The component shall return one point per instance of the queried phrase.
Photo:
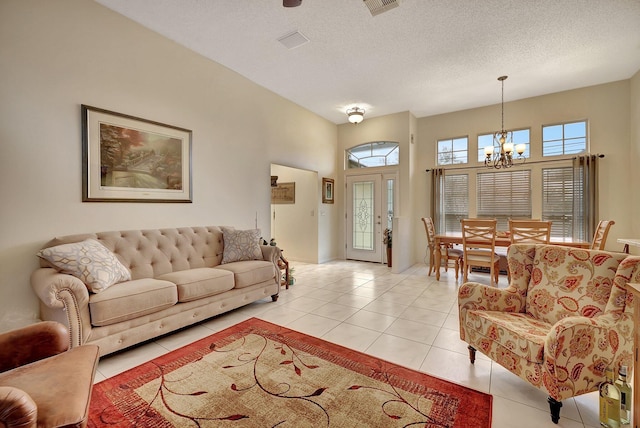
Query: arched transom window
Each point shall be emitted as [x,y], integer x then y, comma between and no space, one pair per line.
[377,153]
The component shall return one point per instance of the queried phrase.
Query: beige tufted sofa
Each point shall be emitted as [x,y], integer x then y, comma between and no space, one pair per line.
[177,279]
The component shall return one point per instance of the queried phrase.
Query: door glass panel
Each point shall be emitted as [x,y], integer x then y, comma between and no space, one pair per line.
[390,200]
[363,216]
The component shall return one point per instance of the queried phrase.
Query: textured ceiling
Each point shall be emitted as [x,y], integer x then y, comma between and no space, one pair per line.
[425,56]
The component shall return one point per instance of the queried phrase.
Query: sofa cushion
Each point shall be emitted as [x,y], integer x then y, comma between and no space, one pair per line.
[248,273]
[567,281]
[88,260]
[240,245]
[519,333]
[195,284]
[131,299]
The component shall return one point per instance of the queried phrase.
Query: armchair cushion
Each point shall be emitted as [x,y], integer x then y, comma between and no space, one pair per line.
[521,334]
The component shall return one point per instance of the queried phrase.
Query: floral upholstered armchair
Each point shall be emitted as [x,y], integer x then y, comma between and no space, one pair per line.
[563,319]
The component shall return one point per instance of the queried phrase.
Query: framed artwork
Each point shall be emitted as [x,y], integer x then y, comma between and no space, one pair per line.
[327,190]
[129,159]
[283,193]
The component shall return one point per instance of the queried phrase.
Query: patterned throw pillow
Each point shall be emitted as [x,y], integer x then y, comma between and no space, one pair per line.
[241,245]
[90,261]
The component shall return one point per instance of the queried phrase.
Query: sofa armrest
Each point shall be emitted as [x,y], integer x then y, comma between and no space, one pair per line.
[473,295]
[32,343]
[270,253]
[578,350]
[63,298]
[17,409]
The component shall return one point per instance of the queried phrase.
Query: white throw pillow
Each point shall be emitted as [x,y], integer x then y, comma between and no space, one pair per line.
[90,261]
[241,245]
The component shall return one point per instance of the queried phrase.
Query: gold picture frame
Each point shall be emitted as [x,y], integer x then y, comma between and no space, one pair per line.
[327,190]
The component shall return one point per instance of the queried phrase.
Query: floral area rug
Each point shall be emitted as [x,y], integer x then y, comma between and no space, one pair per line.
[258,374]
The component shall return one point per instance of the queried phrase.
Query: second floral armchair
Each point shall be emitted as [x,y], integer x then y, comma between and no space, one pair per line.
[563,319]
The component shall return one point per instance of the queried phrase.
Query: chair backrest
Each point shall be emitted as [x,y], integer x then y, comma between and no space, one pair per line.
[429,229]
[530,231]
[564,281]
[600,237]
[478,234]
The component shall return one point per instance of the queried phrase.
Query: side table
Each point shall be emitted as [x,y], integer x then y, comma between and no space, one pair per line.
[283,264]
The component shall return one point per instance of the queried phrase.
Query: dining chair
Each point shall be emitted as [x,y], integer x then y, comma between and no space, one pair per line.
[600,237]
[449,254]
[479,245]
[529,231]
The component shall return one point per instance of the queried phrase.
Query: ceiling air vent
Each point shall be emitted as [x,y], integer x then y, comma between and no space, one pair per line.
[376,7]
[293,40]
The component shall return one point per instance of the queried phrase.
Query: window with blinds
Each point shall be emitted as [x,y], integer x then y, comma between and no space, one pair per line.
[504,195]
[455,201]
[560,192]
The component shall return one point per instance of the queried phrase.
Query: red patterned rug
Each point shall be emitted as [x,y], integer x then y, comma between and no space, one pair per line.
[258,374]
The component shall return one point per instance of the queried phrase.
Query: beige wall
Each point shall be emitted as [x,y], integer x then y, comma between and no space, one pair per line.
[634,157]
[606,107]
[295,226]
[59,55]
[394,127]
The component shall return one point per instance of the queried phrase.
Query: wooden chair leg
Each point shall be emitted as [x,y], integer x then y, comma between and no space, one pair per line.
[457,263]
[554,406]
[472,354]
[431,262]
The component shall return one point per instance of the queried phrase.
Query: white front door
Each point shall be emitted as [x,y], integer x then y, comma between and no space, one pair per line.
[364,218]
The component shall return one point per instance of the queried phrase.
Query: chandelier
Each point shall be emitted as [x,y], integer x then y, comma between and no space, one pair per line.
[500,155]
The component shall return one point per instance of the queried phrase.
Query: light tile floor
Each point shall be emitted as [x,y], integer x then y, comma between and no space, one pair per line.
[406,318]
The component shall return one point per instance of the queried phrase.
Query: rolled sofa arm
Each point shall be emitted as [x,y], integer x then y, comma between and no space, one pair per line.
[270,253]
[17,409]
[63,298]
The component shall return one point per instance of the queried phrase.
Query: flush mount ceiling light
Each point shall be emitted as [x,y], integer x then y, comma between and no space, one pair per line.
[355,114]
[291,3]
[500,155]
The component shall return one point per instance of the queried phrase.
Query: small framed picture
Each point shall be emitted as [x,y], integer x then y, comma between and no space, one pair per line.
[327,190]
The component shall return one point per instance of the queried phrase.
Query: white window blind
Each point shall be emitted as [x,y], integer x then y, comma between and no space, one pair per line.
[557,200]
[455,201]
[504,195]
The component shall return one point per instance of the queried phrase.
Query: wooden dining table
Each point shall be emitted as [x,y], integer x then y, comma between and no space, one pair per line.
[502,240]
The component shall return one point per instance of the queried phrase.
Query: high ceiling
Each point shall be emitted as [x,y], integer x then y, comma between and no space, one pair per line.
[424,56]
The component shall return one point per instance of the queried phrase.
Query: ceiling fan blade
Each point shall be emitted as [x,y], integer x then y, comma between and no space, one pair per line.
[291,3]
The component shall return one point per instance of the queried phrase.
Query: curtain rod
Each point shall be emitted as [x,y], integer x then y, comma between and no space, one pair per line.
[600,155]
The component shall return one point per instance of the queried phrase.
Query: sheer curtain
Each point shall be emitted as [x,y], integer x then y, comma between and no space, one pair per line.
[585,208]
[437,188]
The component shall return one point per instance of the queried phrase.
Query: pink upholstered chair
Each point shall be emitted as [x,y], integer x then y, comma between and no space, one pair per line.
[563,319]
